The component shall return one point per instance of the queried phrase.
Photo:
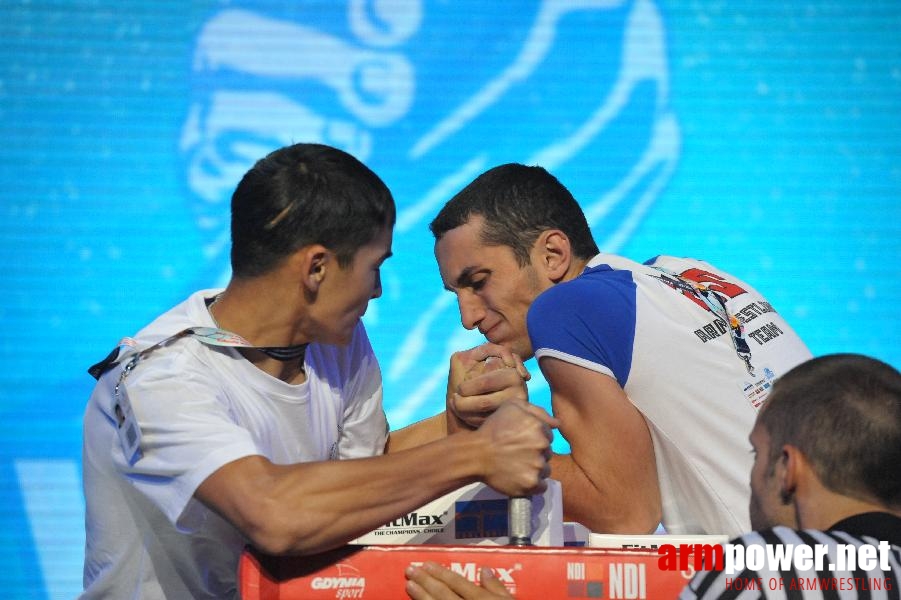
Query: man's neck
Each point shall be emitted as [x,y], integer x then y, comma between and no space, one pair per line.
[266,315]
[823,513]
[263,314]
[576,268]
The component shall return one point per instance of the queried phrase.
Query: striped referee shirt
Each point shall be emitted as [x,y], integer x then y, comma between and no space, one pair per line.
[786,581]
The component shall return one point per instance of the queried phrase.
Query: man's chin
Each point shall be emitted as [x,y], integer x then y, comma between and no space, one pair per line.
[499,340]
[523,351]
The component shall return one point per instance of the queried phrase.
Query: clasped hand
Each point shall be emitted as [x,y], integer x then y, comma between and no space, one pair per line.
[479,381]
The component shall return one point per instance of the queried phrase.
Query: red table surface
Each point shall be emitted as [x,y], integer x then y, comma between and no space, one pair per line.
[530,573]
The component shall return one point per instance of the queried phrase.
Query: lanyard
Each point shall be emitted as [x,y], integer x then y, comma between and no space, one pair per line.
[127,427]
[212,336]
[718,306]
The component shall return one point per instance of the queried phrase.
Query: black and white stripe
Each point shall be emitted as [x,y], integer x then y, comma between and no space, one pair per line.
[709,585]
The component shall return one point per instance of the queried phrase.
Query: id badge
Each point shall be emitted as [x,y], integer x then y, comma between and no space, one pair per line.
[127,426]
[757,390]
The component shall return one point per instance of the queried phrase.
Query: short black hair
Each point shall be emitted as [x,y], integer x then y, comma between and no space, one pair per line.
[843,411]
[305,194]
[518,203]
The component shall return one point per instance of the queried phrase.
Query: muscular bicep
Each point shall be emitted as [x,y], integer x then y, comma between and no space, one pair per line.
[297,508]
[243,492]
[610,477]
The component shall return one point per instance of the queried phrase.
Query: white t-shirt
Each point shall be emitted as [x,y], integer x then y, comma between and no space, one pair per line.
[675,359]
[198,408]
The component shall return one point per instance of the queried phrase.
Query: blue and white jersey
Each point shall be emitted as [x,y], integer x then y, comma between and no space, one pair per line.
[671,348]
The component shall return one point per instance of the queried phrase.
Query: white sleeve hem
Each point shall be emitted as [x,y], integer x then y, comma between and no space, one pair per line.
[575,360]
[177,509]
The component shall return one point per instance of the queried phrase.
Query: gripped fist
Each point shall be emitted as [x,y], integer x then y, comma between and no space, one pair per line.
[492,363]
[518,438]
[480,379]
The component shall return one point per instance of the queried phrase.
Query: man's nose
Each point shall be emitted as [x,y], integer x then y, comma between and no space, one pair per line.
[472,310]
[377,288]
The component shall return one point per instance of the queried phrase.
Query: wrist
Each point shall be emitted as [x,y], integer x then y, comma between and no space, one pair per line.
[455,424]
[473,452]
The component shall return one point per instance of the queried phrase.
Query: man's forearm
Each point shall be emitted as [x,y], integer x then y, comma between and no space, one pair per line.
[312,507]
[419,433]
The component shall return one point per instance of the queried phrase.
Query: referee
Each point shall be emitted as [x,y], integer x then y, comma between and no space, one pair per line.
[826,475]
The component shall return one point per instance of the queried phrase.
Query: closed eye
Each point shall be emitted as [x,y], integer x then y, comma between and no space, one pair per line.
[472,279]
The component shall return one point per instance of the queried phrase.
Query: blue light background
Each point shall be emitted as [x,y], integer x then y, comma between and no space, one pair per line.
[762,136]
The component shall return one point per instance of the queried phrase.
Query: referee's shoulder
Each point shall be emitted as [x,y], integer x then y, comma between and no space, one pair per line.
[713,584]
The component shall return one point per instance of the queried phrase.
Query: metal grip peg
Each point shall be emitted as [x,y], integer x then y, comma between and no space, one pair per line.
[520,521]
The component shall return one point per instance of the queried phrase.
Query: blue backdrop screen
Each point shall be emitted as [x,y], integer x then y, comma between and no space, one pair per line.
[762,136]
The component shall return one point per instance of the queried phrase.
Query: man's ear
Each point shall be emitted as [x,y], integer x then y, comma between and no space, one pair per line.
[554,254]
[311,265]
[790,469]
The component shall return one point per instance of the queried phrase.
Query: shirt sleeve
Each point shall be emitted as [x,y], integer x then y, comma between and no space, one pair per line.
[589,321]
[178,454]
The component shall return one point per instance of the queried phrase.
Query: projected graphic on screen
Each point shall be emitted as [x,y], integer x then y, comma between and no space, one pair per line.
[428,95]
[760,135]
[428,117]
